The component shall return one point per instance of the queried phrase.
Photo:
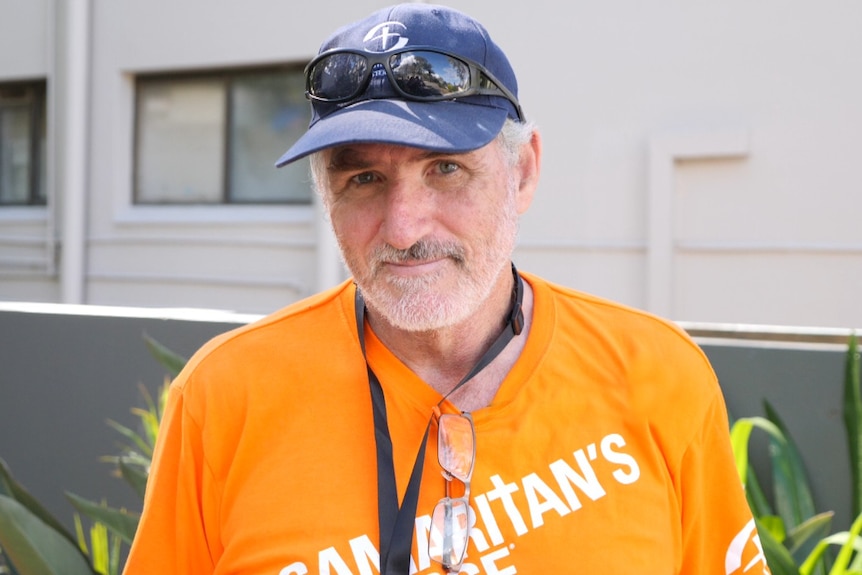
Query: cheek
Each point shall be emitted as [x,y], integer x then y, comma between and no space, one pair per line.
[353,228]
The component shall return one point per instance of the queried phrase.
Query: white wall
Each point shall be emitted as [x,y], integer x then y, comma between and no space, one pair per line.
[701,160]
[242,258]
[771,235]
[26,235]
[25,31]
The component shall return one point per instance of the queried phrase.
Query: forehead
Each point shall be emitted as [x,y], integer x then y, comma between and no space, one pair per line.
[359,155]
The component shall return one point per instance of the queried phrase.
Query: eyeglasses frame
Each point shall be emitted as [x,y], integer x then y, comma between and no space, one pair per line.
[496,87]
[447,501]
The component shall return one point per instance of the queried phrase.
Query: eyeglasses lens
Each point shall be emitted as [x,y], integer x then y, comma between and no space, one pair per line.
[429,74]
[338,77]
[456,446]
[450,521]
[450,530]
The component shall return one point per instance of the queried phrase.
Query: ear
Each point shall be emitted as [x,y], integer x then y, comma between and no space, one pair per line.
[529,167]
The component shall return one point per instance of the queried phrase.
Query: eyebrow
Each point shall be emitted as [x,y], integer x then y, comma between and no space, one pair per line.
[344,159]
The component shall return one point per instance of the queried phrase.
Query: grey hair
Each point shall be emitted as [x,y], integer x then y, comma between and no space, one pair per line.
[512,137]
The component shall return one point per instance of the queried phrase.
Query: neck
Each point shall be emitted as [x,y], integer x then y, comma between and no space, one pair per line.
[443,357]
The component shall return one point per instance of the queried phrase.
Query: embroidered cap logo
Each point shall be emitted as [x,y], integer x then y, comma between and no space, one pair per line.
[388,38]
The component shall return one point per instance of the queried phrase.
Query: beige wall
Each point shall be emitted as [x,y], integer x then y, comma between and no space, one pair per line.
[701,161]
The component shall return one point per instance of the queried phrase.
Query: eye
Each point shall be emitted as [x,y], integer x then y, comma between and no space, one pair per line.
[448,167]
[364,178]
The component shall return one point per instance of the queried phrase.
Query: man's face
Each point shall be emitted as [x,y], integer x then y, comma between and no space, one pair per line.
[425,235]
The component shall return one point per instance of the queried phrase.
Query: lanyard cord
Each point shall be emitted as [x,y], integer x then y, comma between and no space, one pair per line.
[396,524]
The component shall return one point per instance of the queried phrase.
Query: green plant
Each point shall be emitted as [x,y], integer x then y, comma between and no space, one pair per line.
[33,542]
[112,527]
[794,536]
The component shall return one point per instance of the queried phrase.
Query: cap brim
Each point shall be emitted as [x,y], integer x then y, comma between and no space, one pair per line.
[446,126]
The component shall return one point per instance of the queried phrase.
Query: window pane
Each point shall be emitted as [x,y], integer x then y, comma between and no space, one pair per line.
[268,112]
[180,141]
[15,138]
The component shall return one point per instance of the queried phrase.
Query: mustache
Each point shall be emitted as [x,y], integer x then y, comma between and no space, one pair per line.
[422,250]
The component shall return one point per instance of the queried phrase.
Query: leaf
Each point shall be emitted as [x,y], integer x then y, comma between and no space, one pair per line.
[16,491]
[132,458]
[740,434]
[130,434]
[853,421]
[777,556]
[34,547]
[114,566]
[843,538]
[134,476]
[99,543]
[79,532]
[757,501]
[123,523]
[170,360]
[150,424]
[802,539]
[814,557]
[793,499]
[774,525]
[856,564]
[842,561]
[7,565]
[163,397]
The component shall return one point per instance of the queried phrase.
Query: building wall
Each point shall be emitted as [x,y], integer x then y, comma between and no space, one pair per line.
[26,242]
[700,161]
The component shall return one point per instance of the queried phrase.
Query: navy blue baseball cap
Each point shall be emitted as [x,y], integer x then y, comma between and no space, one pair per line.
[380,114]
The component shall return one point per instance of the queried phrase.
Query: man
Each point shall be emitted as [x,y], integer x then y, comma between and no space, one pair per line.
[445,413]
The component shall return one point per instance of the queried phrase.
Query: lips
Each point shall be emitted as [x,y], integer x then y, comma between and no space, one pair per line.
[413,267]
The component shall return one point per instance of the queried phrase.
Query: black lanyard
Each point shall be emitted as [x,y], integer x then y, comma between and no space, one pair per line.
[397,523]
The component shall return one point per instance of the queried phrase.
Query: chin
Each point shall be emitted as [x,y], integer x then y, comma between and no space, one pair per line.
[427,312]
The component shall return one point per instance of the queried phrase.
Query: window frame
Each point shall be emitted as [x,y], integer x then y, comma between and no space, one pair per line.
[226,76]
[37,93]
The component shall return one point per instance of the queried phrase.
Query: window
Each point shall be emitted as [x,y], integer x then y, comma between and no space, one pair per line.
[22,143]
[213,138]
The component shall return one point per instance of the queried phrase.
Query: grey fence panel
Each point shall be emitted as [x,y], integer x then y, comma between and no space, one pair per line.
[804,384]
[61,378]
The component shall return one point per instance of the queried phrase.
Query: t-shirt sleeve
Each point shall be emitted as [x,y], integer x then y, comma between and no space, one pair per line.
[719,535]
[171,537]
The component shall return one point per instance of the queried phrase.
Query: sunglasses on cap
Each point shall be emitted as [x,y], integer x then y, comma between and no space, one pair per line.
[420,74]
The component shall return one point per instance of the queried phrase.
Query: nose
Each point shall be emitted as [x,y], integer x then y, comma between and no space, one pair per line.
[409,213]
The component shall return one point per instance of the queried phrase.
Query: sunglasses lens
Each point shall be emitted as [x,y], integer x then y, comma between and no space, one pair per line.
[338,76]
[450,529]
[429,74]
[415,74]
[456,445]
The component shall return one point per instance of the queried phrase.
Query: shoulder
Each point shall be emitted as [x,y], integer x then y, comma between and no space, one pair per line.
[644,368]
[306,330]
[643,347]
[605,319]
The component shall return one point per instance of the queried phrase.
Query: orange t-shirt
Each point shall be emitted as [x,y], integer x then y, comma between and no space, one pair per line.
[606,450]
